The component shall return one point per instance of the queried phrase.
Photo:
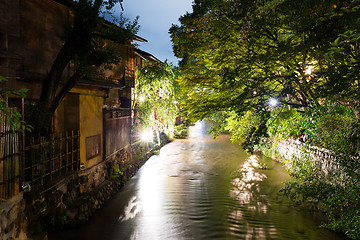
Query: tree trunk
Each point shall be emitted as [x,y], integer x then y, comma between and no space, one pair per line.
[78,43]
[65,89]
[79,40]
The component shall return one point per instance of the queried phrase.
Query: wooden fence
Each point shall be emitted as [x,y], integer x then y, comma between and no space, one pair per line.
[117,127]
[48,160]
[10,160]
[39,163]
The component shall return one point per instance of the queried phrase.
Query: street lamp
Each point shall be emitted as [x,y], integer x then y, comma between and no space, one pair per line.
[146,136]
[273,102]
[308,70]
[141,98]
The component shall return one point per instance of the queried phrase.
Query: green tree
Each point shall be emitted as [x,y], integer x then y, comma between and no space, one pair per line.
[12,117]
[155,98]
[237,55]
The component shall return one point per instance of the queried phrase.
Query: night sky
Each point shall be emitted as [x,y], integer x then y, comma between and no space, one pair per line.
[156,17]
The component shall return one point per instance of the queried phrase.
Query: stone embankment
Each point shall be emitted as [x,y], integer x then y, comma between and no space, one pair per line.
[299,150]
[72,200]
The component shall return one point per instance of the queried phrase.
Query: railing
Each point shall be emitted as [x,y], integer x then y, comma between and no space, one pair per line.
[48,160]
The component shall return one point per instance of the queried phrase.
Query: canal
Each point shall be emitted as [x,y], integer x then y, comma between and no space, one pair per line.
[203,188]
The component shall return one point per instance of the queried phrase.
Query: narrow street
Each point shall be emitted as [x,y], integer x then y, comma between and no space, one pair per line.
[203,188]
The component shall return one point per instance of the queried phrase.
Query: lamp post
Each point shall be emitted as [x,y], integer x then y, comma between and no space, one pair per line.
[273,102]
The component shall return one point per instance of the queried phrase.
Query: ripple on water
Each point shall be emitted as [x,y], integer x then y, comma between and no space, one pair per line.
[201,188]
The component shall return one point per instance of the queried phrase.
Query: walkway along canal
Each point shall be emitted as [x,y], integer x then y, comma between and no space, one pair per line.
[203,188]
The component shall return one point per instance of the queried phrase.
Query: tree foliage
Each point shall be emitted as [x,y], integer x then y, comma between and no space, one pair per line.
[156,98]
[238,54]
[10,115]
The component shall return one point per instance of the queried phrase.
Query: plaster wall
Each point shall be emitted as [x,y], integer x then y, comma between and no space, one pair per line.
[91,104]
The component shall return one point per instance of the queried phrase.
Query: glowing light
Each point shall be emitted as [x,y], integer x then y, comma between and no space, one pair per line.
[141,98]
[147,136]
[198,125]
[26,187]
[308,70]
[273,102]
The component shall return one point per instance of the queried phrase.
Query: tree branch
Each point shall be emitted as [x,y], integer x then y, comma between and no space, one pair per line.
[65,89]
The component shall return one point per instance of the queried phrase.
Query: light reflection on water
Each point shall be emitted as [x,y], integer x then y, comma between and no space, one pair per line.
[245,188]
[201,188]
[130,210]
[248,182]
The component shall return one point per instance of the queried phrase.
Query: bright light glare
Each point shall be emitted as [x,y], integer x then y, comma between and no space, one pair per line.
[141,98]
[147,136]
[308,70]
[198,125]
[131,210]
[273,102]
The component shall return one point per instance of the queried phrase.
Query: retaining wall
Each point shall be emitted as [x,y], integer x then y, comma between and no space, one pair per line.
[296,149]
[71,201]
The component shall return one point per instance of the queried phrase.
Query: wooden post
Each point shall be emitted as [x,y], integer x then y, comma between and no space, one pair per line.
[104,133]
[61,154]
[72,150]
[52,155]
[42,162]
[22,157]
[66,151]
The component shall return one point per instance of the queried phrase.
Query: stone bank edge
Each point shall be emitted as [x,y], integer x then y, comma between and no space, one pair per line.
[72,200]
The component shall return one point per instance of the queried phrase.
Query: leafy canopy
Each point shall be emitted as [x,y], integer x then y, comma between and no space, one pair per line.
[237,55]
[267,49]
[155,97]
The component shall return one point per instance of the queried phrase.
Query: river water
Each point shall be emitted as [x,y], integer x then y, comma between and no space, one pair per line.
[203,188]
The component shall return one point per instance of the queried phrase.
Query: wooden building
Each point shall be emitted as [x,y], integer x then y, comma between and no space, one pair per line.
[95,116]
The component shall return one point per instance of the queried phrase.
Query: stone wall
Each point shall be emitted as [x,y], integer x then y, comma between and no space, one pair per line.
[13,223]
[72,200]
[296,149]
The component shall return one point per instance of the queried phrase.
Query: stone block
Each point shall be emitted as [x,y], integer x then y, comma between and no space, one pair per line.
[71,213]
[82,189]
[13,214]
[22,235]
[9,228]
[62,188]
[3,221]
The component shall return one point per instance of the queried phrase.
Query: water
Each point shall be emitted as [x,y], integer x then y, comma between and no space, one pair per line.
[203,188]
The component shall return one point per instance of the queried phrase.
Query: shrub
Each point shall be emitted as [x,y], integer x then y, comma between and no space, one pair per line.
[285,123]
[333,131]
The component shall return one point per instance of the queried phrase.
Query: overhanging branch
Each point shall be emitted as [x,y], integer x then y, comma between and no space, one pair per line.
[65,89]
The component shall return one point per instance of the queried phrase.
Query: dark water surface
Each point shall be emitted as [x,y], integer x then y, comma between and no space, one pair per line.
[202,188]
